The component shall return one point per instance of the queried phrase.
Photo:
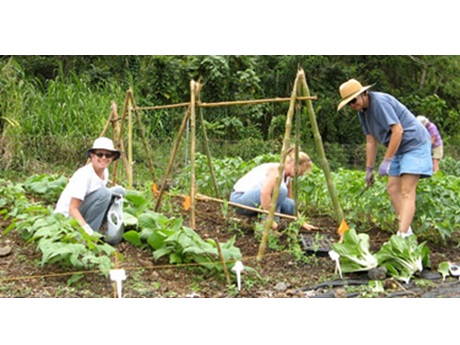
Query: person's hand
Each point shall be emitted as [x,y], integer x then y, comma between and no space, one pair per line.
[369,176]
[88,229]
[385,167]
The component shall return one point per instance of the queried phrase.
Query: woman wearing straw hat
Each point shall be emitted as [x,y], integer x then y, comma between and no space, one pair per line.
[437,146]
[407,157]
[86,197]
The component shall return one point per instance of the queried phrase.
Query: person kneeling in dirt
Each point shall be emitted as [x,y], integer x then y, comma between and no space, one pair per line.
[86,197]
[255,189]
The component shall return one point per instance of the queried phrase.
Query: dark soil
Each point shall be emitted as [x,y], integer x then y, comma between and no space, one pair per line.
[279,273]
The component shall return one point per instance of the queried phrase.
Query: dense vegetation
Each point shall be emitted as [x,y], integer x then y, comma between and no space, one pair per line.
[51,107]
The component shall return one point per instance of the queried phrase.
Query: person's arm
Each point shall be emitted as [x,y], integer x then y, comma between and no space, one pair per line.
[371,151]
[395,140]
[267,188]
[74,212]
[289,187]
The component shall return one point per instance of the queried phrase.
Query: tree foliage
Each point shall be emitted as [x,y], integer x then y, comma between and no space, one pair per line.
[62,95]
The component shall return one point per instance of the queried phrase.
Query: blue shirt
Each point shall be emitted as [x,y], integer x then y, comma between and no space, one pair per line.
[384,111]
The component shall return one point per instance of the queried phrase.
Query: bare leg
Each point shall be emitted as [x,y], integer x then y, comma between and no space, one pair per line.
[402,191]
[435,165]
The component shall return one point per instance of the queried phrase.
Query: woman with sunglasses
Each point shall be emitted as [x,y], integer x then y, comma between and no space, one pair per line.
[86,197]
[407,157]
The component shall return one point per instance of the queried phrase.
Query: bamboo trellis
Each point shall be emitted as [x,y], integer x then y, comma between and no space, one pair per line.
[300,93]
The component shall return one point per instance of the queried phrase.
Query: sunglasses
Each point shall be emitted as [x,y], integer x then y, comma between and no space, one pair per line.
[353,101]
[107,155]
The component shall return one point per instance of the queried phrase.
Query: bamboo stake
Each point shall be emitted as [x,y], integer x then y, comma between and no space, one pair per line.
[172,157]
[254,101]
[192,154]
[116,130]
[130,141]
[227,103]
[219,250]
[319,146]
[120,133]
[144,139]
[206,146]
[259,210]
[297,144]
[275,193]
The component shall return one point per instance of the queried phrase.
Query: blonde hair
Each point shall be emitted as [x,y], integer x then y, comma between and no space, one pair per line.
[304,159]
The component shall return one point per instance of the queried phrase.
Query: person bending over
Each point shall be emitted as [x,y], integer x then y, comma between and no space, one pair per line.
[255,189]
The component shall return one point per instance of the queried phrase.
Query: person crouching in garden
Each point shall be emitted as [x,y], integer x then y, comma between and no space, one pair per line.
[437,147]
[255,189]
[407,157]
[86,197]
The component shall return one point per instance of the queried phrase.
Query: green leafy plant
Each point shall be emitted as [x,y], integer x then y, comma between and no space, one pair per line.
[47,186]
[403,257]
[181,244]
[444,269]
[355,252]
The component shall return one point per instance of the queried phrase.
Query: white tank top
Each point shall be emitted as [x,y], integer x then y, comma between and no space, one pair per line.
[256,178]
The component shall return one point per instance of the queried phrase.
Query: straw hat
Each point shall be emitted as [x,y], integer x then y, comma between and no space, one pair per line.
[349,90]
[106,144]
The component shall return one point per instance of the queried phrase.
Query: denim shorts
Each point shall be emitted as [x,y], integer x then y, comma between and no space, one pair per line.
[417,162]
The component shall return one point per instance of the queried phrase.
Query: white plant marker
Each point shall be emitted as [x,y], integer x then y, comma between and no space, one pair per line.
[335,256]
[237,268]
[118,276]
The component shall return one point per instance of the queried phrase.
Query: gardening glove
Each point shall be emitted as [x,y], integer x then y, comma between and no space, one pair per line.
[385,167]
[369,176]
[88,229]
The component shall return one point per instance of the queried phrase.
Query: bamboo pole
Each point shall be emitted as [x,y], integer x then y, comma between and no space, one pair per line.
[297,150]
[258,210]
[227,103]
[172,157]
[130,141]
[222,259]
[120,133]
[206,147]
[319,146]
[275,193]
[192,154]
[144,139]
[117,133]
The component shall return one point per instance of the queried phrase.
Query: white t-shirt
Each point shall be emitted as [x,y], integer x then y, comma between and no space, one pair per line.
[83,182]
[256,178]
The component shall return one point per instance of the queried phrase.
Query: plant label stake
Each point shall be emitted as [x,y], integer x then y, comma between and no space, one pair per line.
[118,276]
[237,268]
[335,256]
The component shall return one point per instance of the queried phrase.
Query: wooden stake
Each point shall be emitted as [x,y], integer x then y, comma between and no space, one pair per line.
[258,210]
[319,147]
[228,103]
[275,193]
[192,154]
[117,134]
[171,158]
[115,294]
[219,250]
[208,152]
[144,139]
